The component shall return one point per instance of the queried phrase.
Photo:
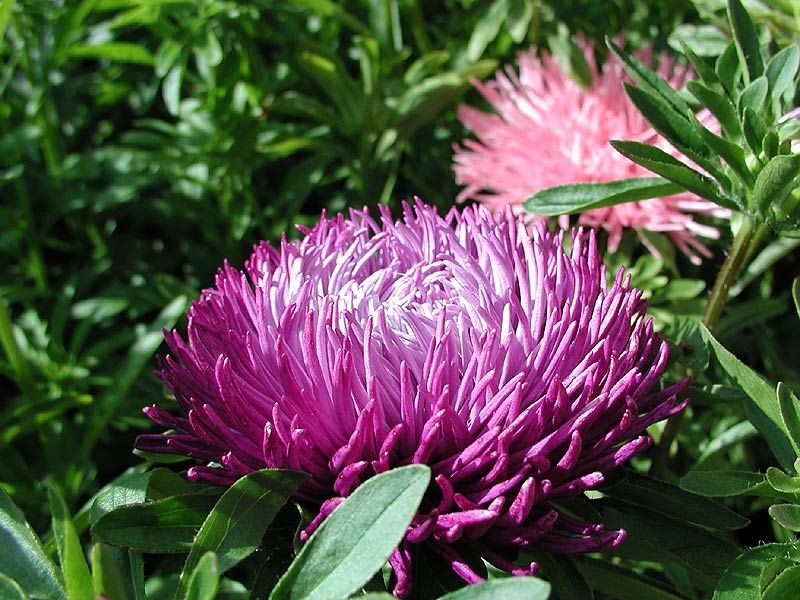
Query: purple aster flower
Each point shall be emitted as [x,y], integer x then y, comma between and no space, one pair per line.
[489,353]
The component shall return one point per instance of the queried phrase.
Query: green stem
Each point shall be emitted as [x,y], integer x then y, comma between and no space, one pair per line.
[744,242]
[741,248]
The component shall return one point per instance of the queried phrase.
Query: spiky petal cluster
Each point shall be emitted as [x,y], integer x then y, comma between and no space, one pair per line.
[549,131]
[504,363]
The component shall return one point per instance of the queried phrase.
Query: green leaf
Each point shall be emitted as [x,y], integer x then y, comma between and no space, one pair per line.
[781,71]
[784,586]
[421,103]
[672,501]
[24,559]
[109,573]
[77,577]
[720,107]
[670,168]
[204,579]
[762,405]
[667,539]
[578,197]
[571,57]
[771,145]
[755,130]
[728,70]
[723,484]
[114,51]
[5,15]
[357,538]
[754,96]
[425,66]
[775,182]
[621,583]
[133,488]
[486,29]
[746,39]
[742,580]
[10,589]
[171,87]
[674,126]
[732,436]
[561,571]
[508,588]
[796,294]
[164,526]
[235,526]
[141,351]
[700,66]
[654,86]
[518,19]
[788,515]
[790,414]
[782,482]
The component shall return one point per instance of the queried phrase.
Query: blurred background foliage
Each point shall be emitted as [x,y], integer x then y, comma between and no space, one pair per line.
[142,142]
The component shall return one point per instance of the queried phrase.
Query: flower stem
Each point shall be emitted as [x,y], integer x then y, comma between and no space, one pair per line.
[744,242]
[741,248]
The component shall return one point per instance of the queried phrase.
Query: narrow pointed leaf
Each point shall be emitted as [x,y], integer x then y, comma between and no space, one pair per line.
[672,501]
[578,197]
[651,82]
[564,575]
[788,515]
[357,538]
[674,126]
[776,181]
[720,107]
[733,155]
[780,481]
[124,52]
[755,130]
[621,583]
[762,405]
[729,70]
[509,588]
[742,579]
[781,71]
[109,573]
[790,413]
[77,578]
[746,39]
[670,168]
[706,73]
[24,559]
[754,96]
[784,586]
[134,488]
[235,526]
[486,29]
[204,579]
[669,539]
[723,484]
[163,526]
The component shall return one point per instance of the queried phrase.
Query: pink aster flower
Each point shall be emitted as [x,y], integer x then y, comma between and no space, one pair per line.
[549,131]
[495,357]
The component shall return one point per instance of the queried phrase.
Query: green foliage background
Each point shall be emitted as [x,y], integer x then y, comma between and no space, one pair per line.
[142,142]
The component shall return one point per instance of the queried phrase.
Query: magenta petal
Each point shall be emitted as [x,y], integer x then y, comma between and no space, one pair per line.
[463,342]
